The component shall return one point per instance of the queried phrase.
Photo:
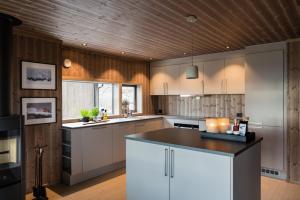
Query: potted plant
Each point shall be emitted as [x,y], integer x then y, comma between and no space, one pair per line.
[85,114]
[95,113]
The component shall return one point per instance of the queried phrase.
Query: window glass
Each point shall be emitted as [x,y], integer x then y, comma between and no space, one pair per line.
[129,95]
[76,96]
[106,97]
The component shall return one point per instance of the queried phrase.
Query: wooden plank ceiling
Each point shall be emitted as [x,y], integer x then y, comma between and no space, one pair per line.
[157,28]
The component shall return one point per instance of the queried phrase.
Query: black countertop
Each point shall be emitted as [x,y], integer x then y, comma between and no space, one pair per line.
[191,139]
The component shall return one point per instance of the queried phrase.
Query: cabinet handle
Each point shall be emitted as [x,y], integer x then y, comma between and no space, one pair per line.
[166,161]
[172,163]
[167,89]
[99,127]
[226,86]
[222,87]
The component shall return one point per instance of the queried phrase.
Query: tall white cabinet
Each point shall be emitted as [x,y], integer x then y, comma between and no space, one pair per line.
[264,103]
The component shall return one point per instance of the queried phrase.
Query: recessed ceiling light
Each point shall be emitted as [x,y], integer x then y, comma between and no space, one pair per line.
[227,47]
[123,52]
[84,44]
[191,18]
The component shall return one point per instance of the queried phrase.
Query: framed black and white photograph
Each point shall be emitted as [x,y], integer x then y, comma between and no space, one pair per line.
[39,110]
[38,76]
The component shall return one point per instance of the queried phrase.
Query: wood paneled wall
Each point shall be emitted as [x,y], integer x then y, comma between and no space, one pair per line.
[34,48]
[294,111]
[92,66]
[200,106]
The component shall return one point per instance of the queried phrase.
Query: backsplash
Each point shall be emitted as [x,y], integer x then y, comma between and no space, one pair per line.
[224,105]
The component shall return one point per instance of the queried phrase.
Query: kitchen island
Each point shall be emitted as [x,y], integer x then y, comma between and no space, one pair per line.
[178,164]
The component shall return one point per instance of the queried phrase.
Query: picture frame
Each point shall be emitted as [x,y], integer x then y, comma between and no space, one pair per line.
[38,76]
[38,110]
[243,128]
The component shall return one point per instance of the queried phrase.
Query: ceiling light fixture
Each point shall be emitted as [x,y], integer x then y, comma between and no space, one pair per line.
[192,71]
[84,44]
[227,47]
[150,58]
[184,53]
[123,52]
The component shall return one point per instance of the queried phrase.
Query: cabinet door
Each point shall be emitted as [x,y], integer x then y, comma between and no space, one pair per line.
[214,75]
[148,125]
[76,151]
[196,175]
[191,86]
[264,88]
[157,81]
[97,147]
[119,147]
[172,79]
[235,75]
[147,175]
[272,149]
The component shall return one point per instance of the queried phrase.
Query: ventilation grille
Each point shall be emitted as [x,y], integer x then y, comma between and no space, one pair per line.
[270,172]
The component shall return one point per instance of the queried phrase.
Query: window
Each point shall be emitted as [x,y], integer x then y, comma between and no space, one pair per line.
[76,96]
[129,94]
[106,97]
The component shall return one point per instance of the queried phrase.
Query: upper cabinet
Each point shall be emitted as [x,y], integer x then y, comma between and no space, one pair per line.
[157,81]
[214,76]
[235,75]
[164,80]
[191,86]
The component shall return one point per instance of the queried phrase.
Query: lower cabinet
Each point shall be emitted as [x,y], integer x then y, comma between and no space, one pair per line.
[97,145]
[90,151]
[148,125]
[119,133]
[196,174]
[147,171]
[166,173]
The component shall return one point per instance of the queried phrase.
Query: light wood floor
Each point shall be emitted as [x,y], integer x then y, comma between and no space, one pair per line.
[112,187]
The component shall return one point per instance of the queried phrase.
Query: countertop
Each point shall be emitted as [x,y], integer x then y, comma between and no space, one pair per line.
[191,139]
[111,121]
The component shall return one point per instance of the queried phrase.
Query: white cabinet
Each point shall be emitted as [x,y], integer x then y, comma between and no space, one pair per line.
[163,172]
[202,175]
[164,80]
[214,77]
[97,147]
[147,176]
[157,82]
[119,132]
[171,80]
[191,86]
[235,75]
[264,88]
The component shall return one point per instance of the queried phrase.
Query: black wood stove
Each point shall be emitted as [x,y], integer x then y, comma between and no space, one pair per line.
[11,126]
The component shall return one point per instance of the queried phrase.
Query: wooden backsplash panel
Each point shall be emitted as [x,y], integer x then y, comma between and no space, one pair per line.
[294,111]
[92,66]
[200,106]
[33,48]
